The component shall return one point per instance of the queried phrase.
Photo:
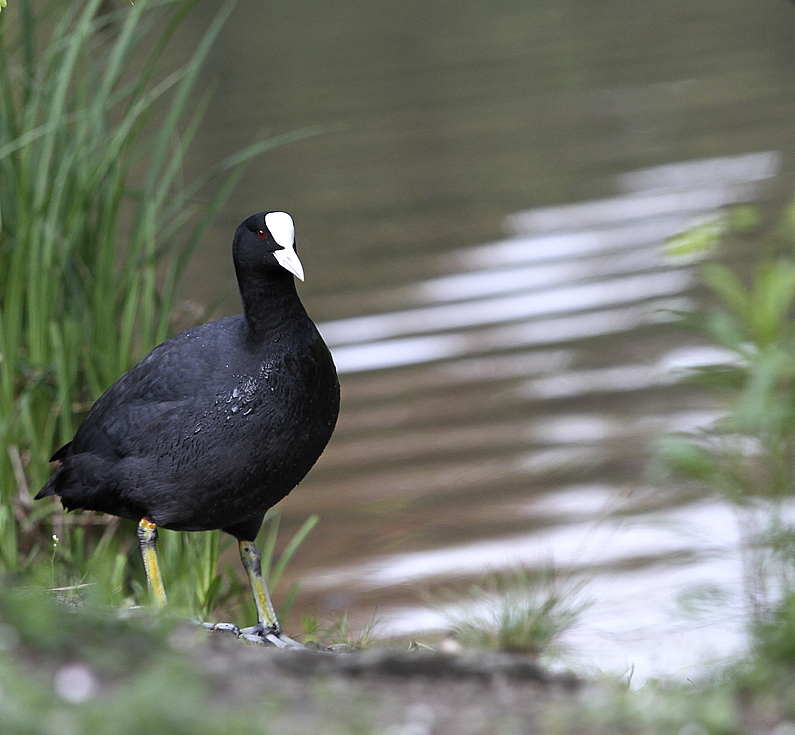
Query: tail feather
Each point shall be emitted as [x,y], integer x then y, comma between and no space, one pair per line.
[82,481]
[51,486]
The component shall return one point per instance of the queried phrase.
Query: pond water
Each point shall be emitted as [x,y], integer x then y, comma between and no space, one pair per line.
[482,221]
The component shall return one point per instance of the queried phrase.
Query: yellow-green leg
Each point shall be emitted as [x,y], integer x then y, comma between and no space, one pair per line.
[147,538]
[252,562]
[267,626]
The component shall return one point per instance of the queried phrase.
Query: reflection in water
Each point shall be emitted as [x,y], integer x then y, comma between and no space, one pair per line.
[585,258]
[698,529]
[548,302]
[534,375]
[624,377]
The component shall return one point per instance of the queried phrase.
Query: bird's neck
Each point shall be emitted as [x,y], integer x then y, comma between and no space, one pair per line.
[269,305]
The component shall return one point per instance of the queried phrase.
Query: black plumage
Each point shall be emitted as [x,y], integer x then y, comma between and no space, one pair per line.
[218,423]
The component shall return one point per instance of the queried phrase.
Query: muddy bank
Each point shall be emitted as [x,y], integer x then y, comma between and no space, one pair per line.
[384,690]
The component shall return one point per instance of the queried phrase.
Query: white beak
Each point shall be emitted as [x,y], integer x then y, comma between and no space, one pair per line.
[288,259]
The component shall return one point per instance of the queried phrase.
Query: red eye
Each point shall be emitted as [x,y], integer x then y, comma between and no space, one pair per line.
[260,233]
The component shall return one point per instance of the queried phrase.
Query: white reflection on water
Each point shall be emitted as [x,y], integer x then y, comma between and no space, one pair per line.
[622,378]
[647,214]
[695,530]
[516,278]
[590,296]
[541,332]
[750,167]
[566,275]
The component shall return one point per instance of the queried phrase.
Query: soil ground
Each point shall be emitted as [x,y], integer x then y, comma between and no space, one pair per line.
[406,693]
[400,692]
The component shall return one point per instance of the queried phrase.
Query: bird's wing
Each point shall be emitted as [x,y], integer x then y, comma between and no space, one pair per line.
[170,381]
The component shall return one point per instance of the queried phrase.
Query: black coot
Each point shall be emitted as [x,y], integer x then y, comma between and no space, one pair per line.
[216,424]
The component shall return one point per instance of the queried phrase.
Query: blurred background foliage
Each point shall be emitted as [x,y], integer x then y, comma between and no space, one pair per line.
[747,456]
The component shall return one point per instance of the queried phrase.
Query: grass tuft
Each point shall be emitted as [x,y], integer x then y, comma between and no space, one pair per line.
[516,611]
[338,633]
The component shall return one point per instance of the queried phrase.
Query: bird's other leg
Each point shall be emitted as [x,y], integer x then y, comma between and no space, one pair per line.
[147,538]
[252,562]
[267,626]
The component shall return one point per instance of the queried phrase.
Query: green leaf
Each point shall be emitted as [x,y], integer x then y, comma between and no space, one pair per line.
[698,241]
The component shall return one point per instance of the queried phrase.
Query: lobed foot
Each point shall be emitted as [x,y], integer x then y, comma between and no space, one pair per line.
[259,633]
[256,634]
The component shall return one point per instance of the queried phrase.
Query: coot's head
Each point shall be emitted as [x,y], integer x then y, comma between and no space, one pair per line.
[266,241]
